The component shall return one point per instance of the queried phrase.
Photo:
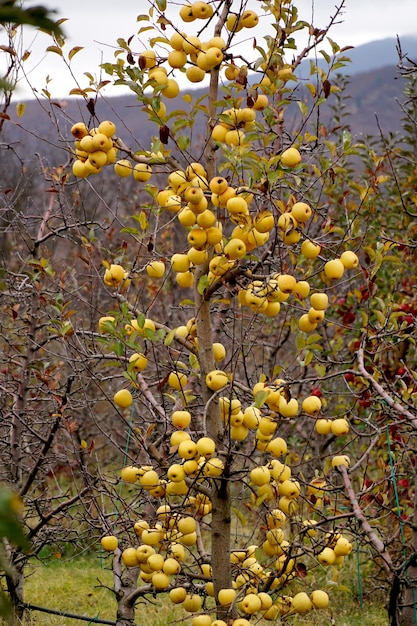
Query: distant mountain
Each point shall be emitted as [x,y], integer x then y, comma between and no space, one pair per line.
[371,99]
[378,54]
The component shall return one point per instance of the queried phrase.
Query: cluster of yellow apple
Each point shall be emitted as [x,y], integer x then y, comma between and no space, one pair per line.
[233,123]
[95,149]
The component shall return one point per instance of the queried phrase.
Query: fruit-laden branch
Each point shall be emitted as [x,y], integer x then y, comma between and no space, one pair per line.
[368,530]
[398,408]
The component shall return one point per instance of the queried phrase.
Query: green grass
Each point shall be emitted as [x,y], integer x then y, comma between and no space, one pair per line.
[77,586]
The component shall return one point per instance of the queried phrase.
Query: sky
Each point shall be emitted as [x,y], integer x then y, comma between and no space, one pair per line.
[97,25]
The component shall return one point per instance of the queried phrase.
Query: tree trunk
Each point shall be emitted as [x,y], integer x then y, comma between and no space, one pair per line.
[15,587]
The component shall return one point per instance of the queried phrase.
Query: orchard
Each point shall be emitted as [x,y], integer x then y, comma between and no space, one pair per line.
[247,359]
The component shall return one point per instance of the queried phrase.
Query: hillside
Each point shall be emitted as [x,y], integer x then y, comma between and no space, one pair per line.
[372,99]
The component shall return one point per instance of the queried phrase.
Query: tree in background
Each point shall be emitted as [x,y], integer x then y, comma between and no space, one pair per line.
[230,329]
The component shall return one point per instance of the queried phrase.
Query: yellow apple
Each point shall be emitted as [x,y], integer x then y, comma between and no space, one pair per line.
[291,157]
[311,405]
[206,447]
[138,362]
[319,301]
[250,604]
[177,595]
[349,260]
[109,543]
[226,596]
[123,168]
[177,380]
[305,324]
[216,379]
[301,211]
[320,599]
[334,269]
[79,130]
[323,426]
[301,603]
[260,475]
[105,323]
[129,557]
[181,419]
[142,172]
[155,269]
[339,427]
[327,556]
[123,398]
[310,249]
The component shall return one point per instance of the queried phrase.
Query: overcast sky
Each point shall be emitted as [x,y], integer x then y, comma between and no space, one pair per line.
[97,25]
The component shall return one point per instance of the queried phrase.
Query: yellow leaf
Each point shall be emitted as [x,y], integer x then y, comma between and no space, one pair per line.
[84,444]
[55,49]
[187,98]
[20,109]
[74,51]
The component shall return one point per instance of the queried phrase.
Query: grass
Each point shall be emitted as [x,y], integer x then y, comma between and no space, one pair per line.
[77,586]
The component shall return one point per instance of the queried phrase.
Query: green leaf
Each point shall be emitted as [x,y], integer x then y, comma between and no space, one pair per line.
[161,4]
[170,337]
[202,284]
[300,342]
[260,398]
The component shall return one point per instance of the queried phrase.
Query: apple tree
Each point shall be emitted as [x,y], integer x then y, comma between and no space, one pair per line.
[230,329]
[219,295]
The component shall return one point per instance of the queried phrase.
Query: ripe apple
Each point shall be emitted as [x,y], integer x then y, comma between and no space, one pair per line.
[129,557]
[155,269]
[123,168]
[301,603]
[323,426]
[79,130]
[138,362]
[311,405]
[343,547]
[290,157]
[109,543]
[340,426]
[277,447]
[214,467]
[339,460]
[160,580]
[180,262]
[192,603]
[250,604]
[260,475]
[206,447]
[155,562]
[177,380]
[301,211]
[305,324]
[334,269]
[327,556]
[130,474]
[202,619]
[181,419]
[310,249]
[149,479]
[106,323]
[123,398]
[349,260]
[319,301]
[216,379]
[202,10]
[187,449]
[249,19]
[320,599]
[178,595]
[142,172]
[176,473]
[289,489]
